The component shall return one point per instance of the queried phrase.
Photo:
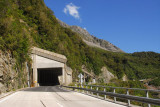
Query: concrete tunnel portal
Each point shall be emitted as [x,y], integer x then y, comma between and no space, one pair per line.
[49,76]
[49,68]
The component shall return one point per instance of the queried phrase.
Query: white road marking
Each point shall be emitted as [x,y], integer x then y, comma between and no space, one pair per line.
[59,104]
[7,97]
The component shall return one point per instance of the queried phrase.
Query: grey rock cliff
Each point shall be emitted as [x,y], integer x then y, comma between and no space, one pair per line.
[7,73]
[9,79]
[90,39]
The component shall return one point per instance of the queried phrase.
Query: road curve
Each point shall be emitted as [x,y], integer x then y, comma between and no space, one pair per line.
[52,96]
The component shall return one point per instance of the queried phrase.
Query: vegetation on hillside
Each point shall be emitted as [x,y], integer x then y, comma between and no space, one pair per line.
[26,23]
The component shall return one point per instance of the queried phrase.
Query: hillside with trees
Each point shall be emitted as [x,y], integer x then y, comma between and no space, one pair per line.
[27,23]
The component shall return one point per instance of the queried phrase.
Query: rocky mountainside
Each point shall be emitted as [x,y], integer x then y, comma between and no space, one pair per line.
[90,39]
[10,79]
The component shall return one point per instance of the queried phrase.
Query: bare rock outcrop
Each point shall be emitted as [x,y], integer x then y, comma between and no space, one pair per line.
[124,78]
[6,72]
[68,75]
[106,75]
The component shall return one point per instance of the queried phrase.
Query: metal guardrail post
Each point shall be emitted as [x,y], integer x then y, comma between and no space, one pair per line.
[129,103]
[104,91]
[87,88]
[97,93]
[82,87]
[114,91]
[75,86]
[91,92]
[147,95]
[79,89]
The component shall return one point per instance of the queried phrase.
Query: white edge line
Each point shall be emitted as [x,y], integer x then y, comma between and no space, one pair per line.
[6,98]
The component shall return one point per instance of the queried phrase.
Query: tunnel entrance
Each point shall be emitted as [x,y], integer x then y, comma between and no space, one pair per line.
[49,76]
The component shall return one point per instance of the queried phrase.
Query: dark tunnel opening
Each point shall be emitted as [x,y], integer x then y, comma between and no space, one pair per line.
[49,76]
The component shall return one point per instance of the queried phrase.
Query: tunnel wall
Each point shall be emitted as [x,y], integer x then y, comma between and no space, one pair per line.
[40,62]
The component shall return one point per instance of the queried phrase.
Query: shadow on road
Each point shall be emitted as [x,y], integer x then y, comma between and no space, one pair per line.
[45,89]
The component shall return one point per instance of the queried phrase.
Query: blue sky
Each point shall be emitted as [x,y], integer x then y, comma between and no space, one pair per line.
[131,25]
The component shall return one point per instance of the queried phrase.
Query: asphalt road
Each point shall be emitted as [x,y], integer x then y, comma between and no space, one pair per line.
[52,96]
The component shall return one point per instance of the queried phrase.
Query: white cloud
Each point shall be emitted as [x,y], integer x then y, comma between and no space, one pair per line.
[72,10]
[85,28]
[65,10]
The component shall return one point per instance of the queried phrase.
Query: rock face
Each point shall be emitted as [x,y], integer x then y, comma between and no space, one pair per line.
[6,71]
[124,78]
[106,75]
[90,39]
[68,75]
[8,75]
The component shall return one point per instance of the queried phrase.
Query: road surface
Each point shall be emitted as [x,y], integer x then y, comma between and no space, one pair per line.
[52,96]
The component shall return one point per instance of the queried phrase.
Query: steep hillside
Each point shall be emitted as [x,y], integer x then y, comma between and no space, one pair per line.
[26,23]
[90,39]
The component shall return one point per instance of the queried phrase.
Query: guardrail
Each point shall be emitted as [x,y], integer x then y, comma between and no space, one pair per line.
[89,88]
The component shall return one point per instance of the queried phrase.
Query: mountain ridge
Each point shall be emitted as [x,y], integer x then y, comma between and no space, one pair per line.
[91,40]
